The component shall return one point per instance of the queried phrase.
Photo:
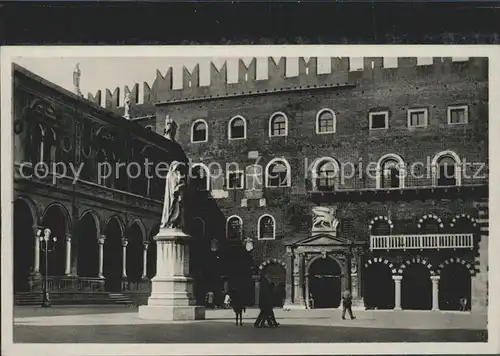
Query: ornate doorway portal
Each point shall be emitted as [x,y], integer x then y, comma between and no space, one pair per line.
[325,283]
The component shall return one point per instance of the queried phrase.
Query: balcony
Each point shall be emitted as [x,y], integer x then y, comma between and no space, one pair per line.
[421,242]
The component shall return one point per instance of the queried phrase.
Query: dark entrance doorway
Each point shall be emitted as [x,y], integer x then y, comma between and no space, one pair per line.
[88,248]
[325,283]
[416,288]
[113,256]
[378,287]
[24,245]
[275,275]
[455,283]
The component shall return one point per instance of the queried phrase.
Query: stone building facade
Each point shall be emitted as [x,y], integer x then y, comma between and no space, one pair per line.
[104,251]
[373,180]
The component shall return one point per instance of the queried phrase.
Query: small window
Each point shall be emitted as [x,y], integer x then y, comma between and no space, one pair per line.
[199,131]
[278,125]
[379,120]
[200,177]
[237,128]
[254,179]
[235,180]
[457,115]
[234,228]
[325,122]
[417,118]
[266,228]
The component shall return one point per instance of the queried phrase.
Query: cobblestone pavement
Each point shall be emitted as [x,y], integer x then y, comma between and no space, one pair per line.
[122,325]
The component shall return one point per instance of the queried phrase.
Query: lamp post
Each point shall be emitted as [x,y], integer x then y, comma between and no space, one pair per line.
[44,245]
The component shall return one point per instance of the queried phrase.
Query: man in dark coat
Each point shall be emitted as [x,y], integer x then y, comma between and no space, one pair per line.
[266,306]
[347,304]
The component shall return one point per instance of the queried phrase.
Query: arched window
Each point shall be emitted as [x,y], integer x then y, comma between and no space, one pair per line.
[266,227]
[50,147]
[446,167]
[278,173]
[234,228]
[325,173]
[325,122]
[278,125]
[237,129]
[199,131]
[200,176]
[37,143]
[390,169]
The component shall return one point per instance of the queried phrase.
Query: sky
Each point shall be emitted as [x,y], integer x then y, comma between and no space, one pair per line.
[111,72]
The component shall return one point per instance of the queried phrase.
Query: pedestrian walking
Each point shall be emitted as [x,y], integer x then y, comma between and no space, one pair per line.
[238,306]
[266,307]
[347,304]
[227,301]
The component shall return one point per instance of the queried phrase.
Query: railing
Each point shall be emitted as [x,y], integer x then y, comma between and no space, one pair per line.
[64,284]
[412,242]
[357,183]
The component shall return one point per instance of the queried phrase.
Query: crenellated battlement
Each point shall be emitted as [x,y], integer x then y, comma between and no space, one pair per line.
[341,74]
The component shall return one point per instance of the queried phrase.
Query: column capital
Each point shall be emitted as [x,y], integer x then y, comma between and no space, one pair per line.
[397,278]
[101,239]
[38,230]
[435,279]
[145,244]
[124,242]
[256,278]
[68,237]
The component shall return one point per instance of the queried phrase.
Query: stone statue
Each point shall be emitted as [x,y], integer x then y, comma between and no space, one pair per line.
[324,218]
[174,189]
[127,103]
[76,79]
[170,128]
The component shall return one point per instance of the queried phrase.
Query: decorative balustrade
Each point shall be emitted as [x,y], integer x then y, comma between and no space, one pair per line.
[430,241]
[81,284]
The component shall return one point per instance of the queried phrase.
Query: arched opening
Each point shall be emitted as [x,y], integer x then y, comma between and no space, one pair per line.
[278,174]
[447,171]
[55,220]
[416,288]
[326,175]
[325,122]
[325,283]
[266,227]
[454,284]
[24,245]
[234,228]
[135,254]
[274,275]
[378,287]
[390,174]
[199,133]
[112,267]
[278,125]
[237,128]
[88,247]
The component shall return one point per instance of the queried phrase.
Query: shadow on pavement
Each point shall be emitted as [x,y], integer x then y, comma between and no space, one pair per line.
[223,332]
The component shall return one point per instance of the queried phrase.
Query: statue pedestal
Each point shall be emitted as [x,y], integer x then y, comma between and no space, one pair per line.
[172,288]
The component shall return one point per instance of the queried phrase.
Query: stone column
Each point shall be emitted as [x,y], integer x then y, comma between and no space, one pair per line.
[145,260]
[100,241]
[67,271]
[306,277]
[36,264]
[124,258]
[435,292]
[289,277]
[397,292]
[298,281]
[171,289]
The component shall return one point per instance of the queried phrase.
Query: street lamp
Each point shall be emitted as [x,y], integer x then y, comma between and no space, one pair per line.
[44,245]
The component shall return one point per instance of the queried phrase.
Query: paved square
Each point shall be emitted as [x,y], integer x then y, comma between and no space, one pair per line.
[122,325]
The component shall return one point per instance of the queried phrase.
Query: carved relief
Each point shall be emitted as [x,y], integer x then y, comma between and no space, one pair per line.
[324,219]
